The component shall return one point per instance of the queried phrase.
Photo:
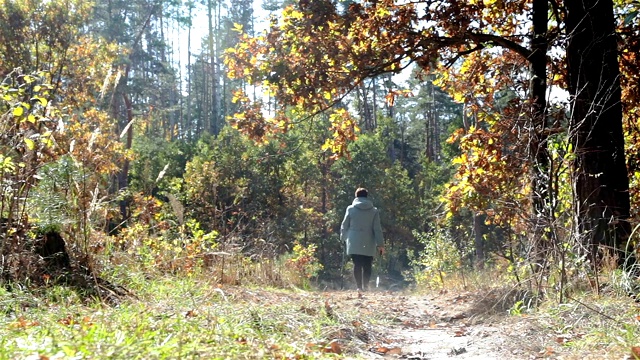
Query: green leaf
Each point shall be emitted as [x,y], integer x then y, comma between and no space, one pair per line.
[630,17]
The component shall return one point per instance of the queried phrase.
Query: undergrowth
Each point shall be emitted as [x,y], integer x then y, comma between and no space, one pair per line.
[191,301]
[588,317]
[171,317]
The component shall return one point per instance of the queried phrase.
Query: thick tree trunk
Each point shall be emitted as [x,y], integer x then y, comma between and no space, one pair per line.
[600,174]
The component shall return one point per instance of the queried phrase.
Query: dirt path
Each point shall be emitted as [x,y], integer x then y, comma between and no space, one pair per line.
[444,326]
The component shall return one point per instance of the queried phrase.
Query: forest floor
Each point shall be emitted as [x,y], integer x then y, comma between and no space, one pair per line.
[446,325]
[176,317]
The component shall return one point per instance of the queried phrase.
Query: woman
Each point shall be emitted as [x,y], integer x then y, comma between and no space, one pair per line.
[363,235]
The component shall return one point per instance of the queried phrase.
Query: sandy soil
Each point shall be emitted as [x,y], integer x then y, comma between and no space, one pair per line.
[446,326]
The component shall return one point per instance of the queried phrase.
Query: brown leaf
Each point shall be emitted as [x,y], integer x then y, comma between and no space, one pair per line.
[66,321]
[333,348]
[388,351]
[22,323]
[547,351]
[460,332]
[635,352]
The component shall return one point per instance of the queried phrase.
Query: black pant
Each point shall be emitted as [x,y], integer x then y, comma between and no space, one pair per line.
[362,270]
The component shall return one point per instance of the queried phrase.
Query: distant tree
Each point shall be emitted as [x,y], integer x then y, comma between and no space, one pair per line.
[317,54]
[145,96]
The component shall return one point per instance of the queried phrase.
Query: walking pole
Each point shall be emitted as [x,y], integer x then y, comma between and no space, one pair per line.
[344,255]
[381,257]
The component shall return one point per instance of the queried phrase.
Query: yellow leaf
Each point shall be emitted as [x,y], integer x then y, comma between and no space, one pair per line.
[30,144]
[458,97]
[40,99]
[18,111]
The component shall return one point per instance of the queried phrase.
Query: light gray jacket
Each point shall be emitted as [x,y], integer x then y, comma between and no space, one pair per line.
[361,228]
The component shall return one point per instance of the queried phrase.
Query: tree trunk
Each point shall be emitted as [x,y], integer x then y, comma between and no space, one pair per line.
[478,237]
[213,59]
[123,175]
[600,175]
[541,198]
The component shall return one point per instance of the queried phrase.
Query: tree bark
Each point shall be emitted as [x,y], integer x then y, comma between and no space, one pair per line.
[600,175]
[542,215]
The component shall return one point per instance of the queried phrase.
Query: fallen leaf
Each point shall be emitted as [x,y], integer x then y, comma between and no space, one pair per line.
[460,332]
[394,351]
[635,352]
[333,348]
[308,311]
[388,351]
[22,323]
[66,321]
[547,352]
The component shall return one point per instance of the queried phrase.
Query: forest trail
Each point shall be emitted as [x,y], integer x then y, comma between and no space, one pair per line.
[443,326]
[448,325]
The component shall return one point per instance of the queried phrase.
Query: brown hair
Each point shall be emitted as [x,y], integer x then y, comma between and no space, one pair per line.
[361,192]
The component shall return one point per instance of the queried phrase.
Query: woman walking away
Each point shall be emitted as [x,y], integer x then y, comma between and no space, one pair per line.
[363,235]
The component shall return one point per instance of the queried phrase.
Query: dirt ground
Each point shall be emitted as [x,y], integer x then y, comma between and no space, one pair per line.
[446,326]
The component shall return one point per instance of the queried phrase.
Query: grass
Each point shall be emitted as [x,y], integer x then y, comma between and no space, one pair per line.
[588,324]
[172,318]
[595,326]
[192,316]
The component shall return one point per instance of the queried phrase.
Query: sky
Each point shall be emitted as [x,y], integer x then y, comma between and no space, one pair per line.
[200,29]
